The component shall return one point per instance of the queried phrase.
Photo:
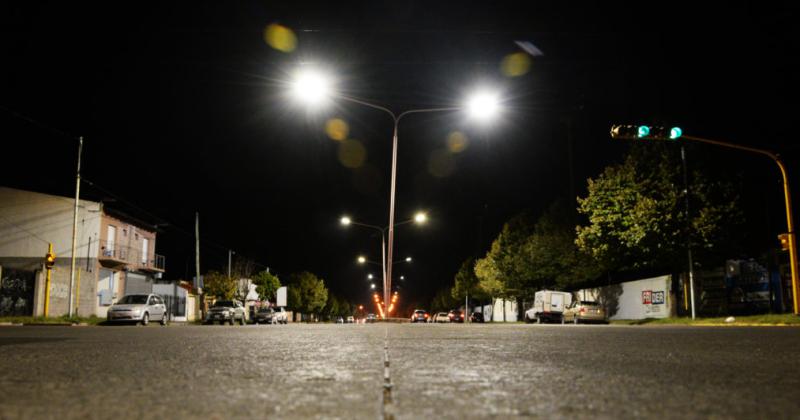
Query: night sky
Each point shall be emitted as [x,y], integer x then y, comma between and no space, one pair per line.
[183,107]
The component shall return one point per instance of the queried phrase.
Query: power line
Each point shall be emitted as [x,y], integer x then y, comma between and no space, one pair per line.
[33,121]
[204,242]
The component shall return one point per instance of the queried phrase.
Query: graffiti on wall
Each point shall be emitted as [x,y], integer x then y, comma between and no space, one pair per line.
[16,292]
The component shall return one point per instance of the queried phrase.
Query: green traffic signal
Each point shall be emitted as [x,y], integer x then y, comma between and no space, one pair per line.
[645,132]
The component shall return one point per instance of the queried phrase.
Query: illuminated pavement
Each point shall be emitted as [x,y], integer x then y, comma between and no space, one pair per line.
[436,371]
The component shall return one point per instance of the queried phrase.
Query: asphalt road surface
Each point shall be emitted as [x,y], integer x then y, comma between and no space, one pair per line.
[432,371]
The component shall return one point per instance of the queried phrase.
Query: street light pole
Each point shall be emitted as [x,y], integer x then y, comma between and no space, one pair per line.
[420,217]
[311,86]
[393,186]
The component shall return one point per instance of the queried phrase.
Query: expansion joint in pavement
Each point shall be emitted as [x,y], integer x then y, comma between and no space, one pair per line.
[388,406]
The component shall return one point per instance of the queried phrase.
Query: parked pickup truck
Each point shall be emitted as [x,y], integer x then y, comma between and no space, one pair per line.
[229,311]
[548,305]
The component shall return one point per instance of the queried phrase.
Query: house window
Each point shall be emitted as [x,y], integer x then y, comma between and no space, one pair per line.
[145,248]
[111,235]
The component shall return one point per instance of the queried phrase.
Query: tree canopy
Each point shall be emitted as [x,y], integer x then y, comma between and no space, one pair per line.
[310,293]
[219,285]
[636,212]
[467,282]
[266,285]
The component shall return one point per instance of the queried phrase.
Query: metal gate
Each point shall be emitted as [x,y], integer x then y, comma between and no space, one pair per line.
[16,292]
[137,284]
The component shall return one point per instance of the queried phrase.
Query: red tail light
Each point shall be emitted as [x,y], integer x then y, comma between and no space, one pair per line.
[426,315]
[583,310]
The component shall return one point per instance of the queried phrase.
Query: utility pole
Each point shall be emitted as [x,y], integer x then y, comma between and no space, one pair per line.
[75,224]
[229,262]
[688,234]
[197,262]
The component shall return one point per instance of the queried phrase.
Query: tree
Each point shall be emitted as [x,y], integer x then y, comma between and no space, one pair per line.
[489,276]
[312,294]
[331,308]
[636,215]
[443,301]
[467,283]
[553,257]
[505,271]
[266,285]
[219,285]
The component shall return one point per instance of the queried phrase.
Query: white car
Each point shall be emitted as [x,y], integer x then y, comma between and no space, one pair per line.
[441,317]
[139,308]
[280,317]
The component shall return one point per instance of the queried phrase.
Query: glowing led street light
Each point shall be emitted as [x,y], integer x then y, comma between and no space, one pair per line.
[311,86]
[345,221]
[362,259]
[483,105]
[420,217]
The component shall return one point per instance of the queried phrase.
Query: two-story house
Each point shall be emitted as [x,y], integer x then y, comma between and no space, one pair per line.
[115,254]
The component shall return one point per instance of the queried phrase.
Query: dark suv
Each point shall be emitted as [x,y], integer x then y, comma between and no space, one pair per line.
[419,315]
[476,317]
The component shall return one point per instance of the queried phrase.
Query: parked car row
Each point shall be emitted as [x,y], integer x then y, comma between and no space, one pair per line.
[271,316]
[548,306]
[455,315]
[345,320]
[555,306]
[143,308]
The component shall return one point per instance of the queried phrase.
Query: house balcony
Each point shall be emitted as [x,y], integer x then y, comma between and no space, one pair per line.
[114,255]
[155,264]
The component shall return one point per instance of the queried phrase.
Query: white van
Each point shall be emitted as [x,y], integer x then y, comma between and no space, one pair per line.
[548,305]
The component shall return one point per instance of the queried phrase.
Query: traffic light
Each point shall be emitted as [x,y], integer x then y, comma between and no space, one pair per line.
[645,132]
[784,238]
[49,260]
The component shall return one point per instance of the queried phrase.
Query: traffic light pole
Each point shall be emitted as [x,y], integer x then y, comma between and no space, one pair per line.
[787,202]
[49,258]
[688,236]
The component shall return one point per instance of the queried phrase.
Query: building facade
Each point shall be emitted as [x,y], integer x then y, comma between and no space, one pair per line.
[115,254]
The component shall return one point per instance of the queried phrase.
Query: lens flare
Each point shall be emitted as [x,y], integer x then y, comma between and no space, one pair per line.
[457,142]
[352,153]
[337,129]
[280,38]
[515,65]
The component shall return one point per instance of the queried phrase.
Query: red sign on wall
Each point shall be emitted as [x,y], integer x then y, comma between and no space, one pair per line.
[647,297]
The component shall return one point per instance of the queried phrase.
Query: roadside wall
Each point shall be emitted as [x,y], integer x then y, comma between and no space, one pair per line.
[640,299]
[494,312]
